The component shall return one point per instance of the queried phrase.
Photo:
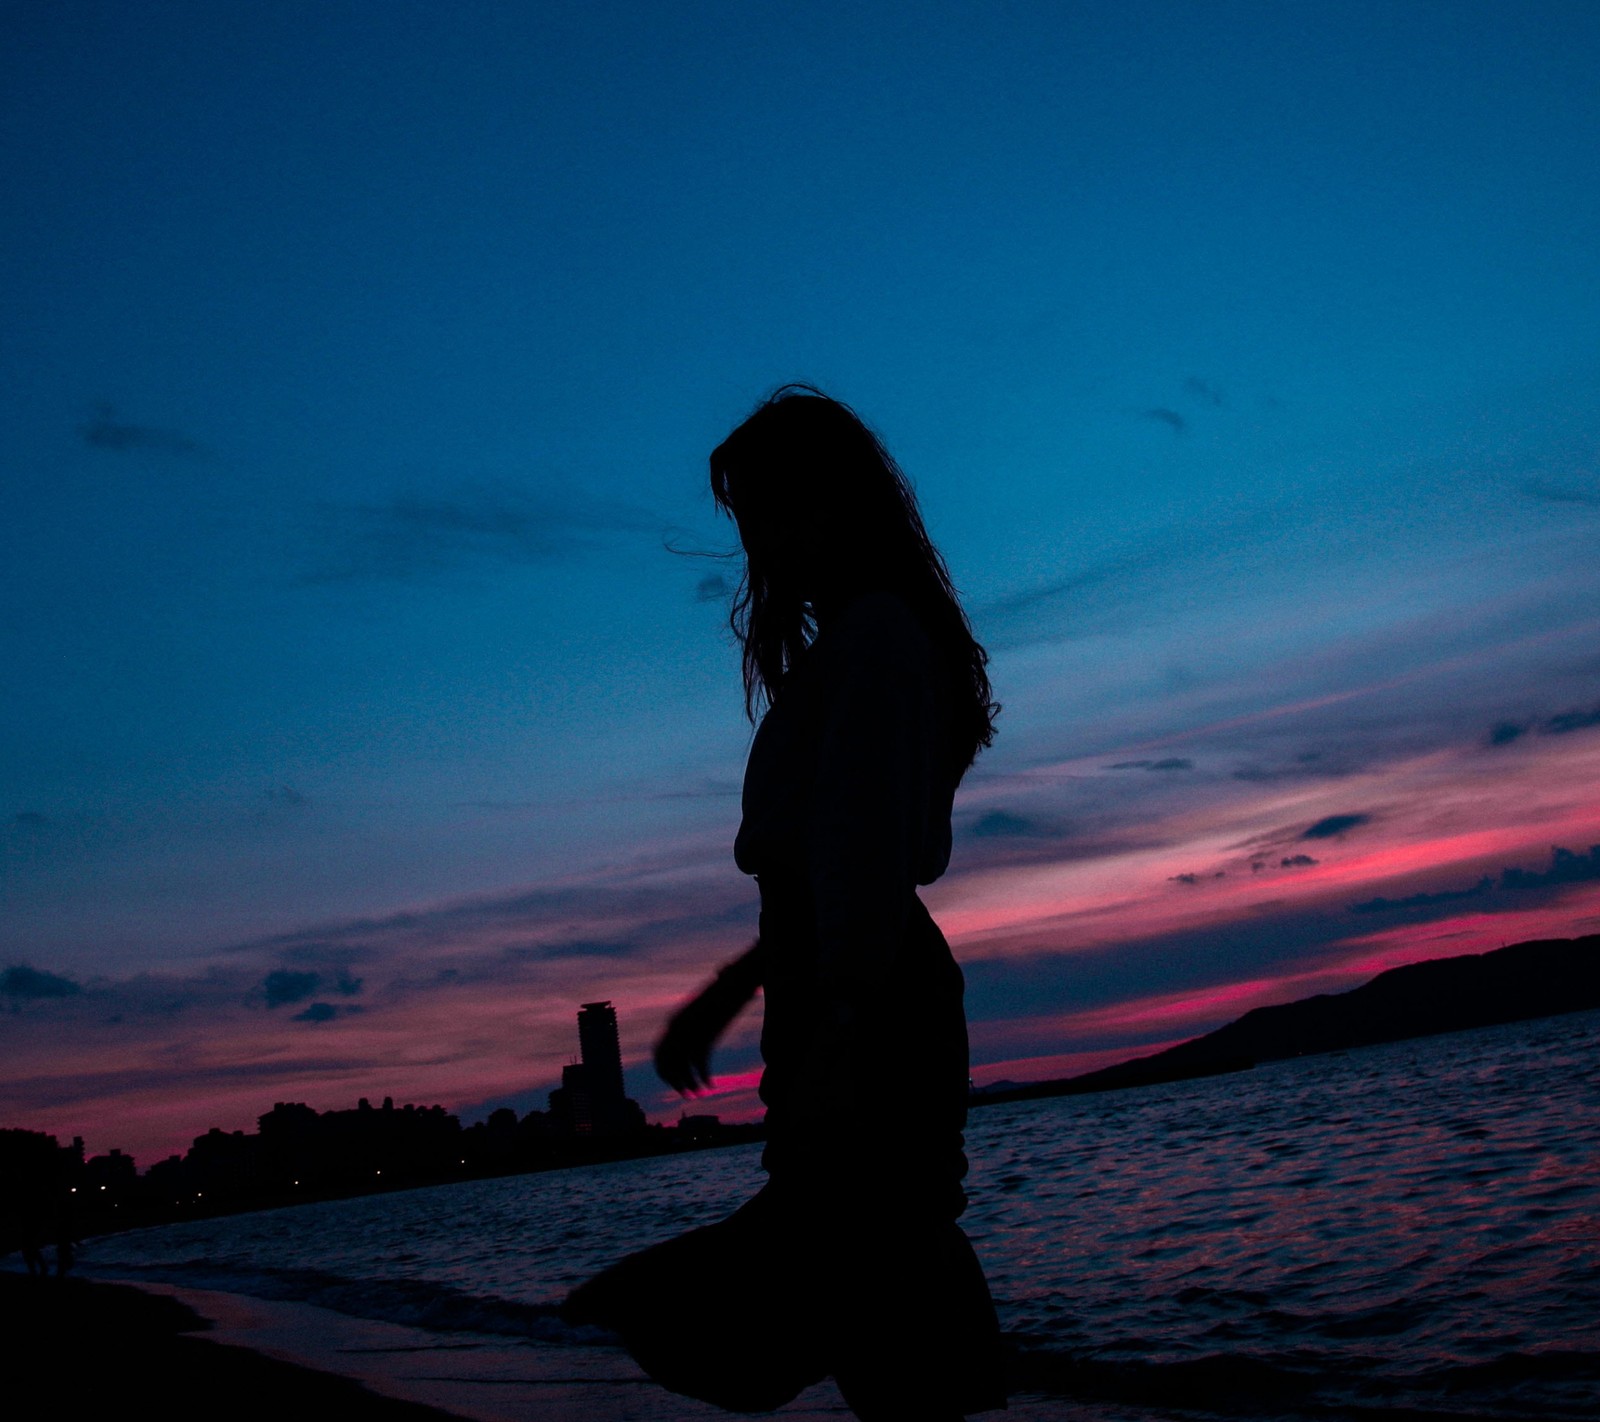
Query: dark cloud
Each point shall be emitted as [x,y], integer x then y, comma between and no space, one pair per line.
[30,821]
[1170,763]
[1566,721]
[1504,732]
[21,981]
[284,986]
[105,431]
[1566,867]
[1296,861]
[1202,390]
[158,996]
[1309,765]
[1550,493]
[1197,878]
[286,795]
[1171,418]
[712,588]
[319,1012]
[1335,825]
[1411,901]
[1002,824]
[418,537]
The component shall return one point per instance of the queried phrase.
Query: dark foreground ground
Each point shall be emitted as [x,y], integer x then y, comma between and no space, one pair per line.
[77,1349]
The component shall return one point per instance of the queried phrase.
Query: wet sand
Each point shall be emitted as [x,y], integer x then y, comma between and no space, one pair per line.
[204,1354]
[88,1349]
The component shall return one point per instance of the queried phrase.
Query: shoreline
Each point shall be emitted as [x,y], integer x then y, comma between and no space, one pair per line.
[95,1344]
[202,1351]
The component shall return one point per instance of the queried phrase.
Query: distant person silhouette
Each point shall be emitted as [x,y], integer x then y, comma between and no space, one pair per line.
[848,1262]
[35,1200]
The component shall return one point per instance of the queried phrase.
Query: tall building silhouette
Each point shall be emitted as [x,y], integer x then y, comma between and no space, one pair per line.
[601,1049]
[592,1099]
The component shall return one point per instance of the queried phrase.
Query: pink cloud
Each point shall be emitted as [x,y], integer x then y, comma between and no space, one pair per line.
[475,998]
[1454,812]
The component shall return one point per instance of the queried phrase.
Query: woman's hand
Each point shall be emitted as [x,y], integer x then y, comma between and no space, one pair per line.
[683,1055]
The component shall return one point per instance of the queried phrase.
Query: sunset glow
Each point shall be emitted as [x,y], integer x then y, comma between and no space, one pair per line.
[374,704]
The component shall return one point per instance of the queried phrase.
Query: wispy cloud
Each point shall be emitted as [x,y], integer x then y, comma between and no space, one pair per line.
[1332,826]
[104,430]
[1504,733]
[1550,492]
[1168,417]
[22,981]
[1484,886]
[325,1012]
[1090,591]
[284,987]
[1568,721]
[1308,765]
[1002,824]
[419,537]
[1074,889]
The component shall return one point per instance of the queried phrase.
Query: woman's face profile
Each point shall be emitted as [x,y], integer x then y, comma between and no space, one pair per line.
[799,556]
[800,491]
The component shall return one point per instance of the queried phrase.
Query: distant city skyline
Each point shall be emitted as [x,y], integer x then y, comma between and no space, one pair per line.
[372,701]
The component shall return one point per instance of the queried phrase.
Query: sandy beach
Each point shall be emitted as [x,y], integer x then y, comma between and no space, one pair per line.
[202,1350]
[92,1347]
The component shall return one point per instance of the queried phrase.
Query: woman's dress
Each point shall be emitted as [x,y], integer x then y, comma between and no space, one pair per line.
[849,1261]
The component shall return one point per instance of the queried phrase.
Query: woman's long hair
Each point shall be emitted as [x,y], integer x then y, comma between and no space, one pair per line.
[806,480]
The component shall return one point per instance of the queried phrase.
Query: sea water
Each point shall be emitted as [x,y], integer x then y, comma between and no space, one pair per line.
[1408,1230]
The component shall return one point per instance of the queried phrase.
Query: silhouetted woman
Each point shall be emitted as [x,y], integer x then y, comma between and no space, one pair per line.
[849,1261]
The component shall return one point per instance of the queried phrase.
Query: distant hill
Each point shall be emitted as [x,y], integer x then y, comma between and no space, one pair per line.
[1526,980]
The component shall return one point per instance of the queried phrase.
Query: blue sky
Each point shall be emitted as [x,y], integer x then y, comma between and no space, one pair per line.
[359,369]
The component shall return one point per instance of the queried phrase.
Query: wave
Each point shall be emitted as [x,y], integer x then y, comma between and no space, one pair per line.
[1555,1385]
[417,1303]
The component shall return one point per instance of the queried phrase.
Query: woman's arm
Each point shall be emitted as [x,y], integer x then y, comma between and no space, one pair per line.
[683,1055]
